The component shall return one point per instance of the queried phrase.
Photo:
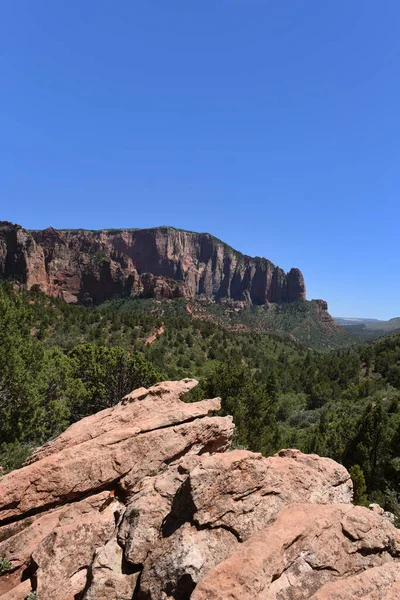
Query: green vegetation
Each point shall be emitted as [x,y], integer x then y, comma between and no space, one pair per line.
[52,373]
[59,363]
[303,321]
[5,564]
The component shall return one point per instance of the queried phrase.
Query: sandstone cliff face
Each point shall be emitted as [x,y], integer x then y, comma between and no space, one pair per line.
[143,501]
[162,262]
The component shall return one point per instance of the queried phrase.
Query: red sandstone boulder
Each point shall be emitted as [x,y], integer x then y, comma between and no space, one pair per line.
[143,500]
[377,583]
[109,579]
[145,409]
[20,592]
[233,495]
[64,557]
[59,529]
[304,549]
[181,560]
[243,491]
[131,439]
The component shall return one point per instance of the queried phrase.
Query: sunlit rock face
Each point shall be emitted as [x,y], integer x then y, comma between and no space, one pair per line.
[93,266]
[146,500]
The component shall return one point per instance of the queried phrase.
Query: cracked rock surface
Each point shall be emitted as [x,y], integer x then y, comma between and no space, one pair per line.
[146,501]
[305,548]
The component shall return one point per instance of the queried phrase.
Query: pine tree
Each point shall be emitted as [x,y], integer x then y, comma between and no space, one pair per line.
[359,485]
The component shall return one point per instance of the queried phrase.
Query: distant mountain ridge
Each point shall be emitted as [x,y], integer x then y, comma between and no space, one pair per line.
[358,320]
[83,266]
[353,320]
[368,328]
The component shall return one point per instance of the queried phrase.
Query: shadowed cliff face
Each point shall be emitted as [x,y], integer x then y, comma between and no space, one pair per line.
[162,262]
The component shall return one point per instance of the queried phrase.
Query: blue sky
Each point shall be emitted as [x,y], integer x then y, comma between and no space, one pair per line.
[273,125]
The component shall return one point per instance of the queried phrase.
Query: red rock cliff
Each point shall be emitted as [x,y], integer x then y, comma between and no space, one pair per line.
[162,262]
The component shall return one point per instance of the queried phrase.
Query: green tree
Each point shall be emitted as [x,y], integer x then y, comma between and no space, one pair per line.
[107,374]
[359,485]
[369,447]
[248,401]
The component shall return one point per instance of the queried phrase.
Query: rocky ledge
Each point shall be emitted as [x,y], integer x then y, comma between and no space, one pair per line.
[145,501]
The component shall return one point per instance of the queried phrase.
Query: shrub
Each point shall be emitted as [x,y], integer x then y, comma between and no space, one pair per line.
[5,564]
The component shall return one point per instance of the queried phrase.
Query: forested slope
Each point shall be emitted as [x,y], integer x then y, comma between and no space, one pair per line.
[60,362]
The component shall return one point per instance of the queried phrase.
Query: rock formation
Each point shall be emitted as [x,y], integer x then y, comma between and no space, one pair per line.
[304,549]
[144,501]
[92,266]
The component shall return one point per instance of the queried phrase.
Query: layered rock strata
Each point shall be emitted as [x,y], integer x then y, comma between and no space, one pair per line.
[92,266]
[146,501]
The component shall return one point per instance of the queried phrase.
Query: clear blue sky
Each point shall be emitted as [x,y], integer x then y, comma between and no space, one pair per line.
[274,125]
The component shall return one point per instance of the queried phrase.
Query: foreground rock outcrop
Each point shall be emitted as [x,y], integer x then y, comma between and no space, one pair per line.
[145,501]
[305,548]
[163,262]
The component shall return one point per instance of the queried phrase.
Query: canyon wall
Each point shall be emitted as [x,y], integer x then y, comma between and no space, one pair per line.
[163,262]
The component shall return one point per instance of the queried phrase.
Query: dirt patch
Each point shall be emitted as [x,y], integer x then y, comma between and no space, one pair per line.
[153,336]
